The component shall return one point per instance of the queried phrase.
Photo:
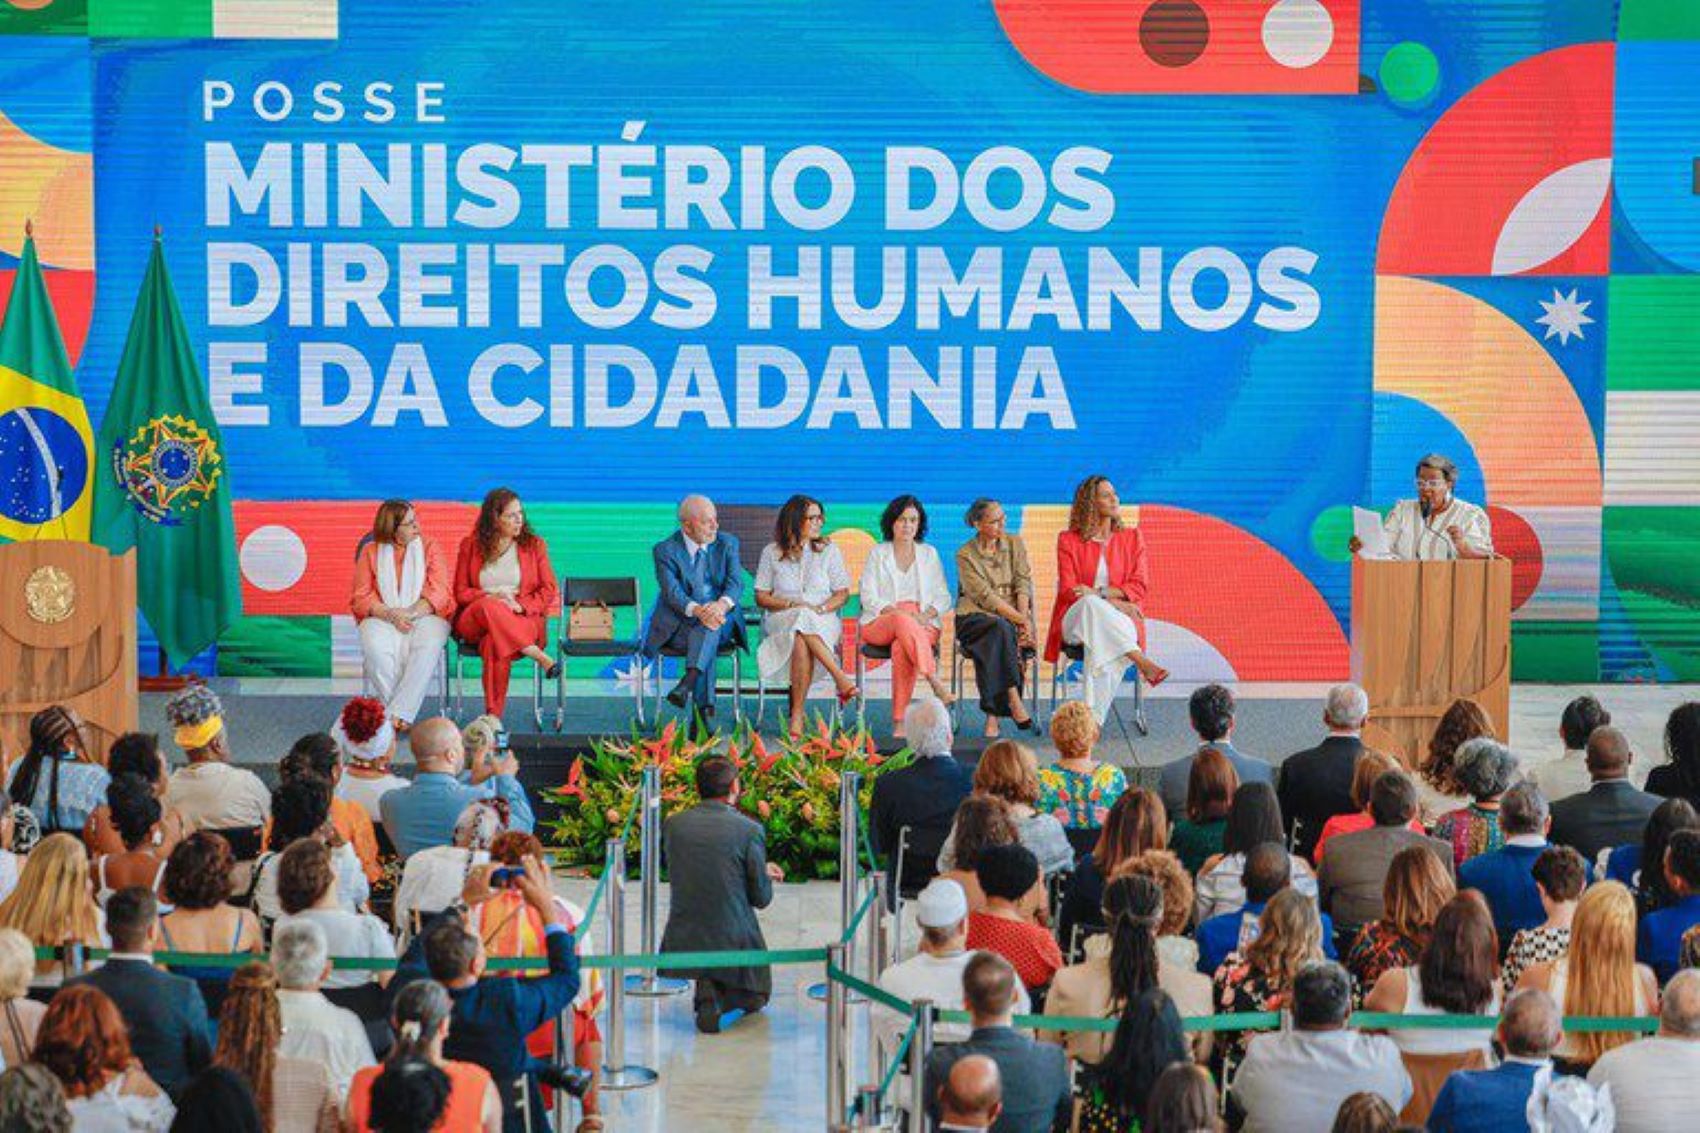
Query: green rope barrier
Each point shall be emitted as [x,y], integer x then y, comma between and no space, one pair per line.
[856,920]
[897,1060]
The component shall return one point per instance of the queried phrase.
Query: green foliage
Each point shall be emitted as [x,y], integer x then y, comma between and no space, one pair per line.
[790,786]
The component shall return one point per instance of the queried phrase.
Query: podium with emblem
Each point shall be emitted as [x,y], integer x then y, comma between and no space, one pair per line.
[67,636]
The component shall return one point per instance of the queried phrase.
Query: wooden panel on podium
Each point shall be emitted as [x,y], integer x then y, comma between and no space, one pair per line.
[67,636]
[1424,634]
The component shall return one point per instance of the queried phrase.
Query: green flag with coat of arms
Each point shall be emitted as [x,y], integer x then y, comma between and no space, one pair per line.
[163,485]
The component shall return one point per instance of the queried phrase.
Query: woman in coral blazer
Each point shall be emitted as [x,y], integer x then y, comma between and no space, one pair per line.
[504,593]
[1102,578]
[402,603]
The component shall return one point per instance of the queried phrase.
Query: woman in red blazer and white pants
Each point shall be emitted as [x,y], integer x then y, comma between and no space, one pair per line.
[504,592]
[1102,577]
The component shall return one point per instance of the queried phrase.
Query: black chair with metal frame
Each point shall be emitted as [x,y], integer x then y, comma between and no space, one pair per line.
[728,649]
[616,594]
[464,651]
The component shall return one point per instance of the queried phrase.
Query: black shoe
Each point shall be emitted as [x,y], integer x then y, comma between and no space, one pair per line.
[680,695]
[574,1080]
[708,1014]
[1029,725]
[552,671]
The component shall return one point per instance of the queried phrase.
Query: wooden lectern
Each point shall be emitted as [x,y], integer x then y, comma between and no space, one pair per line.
[1424,634]
[67,636]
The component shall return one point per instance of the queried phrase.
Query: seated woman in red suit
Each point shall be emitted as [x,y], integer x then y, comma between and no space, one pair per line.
[504,590]
[1102,578]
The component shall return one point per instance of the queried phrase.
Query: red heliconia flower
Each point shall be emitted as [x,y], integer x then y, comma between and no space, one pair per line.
[875,759]
[574,786]
[764,758]
[671,730]
[872,748]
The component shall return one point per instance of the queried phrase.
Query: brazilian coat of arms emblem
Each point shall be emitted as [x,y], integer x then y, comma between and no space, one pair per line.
[167,468]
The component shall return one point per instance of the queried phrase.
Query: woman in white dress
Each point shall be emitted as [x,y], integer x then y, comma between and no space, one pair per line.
[1437,524]
[904,597]
[1102,579]
[802,584]
[402,601]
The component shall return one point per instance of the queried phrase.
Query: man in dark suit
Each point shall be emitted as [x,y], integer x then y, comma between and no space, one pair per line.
[1211,709]
[1036,1094]
[1316,784]
[923,797]
[1354,871]
[1487,1101]
[491,1017]
[718,875]
[1611,812]
[165,1014]
[698,609]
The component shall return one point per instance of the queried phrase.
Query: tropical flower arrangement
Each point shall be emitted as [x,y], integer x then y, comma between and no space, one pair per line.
[789,785]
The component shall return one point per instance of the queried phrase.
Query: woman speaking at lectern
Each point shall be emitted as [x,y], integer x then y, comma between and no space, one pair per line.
[1437,524]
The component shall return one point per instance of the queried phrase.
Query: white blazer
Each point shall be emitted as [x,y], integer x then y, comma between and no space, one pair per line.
[879,580]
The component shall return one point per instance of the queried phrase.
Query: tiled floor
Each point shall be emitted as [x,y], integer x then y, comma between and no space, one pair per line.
[768,1072]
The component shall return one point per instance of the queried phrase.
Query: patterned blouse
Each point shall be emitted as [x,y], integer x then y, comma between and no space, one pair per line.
[1378,949]
[1471,831]
[1240,987]
[1080,799]
[1533,946]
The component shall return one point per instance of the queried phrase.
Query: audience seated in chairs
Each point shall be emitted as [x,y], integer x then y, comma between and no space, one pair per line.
[432,879]
[314,1028]
[1136,823]
[20,1016]
[317,755]
[1661,932]
[1014,921]
[1198,832]
[1037,1095]
[1611,812]
[1317,785]
[1505,876]
[1371,766]
[1484,768]
[58,779]
[1114,1091]
[1559,875]
[1077,790]
[54,906]
[971,1098]
[165,1014]
[307,892]
[1488,1101]
[470,1100]
[199,882]
[1438,790]
[982,821]
[1627,863]
[424,814]
[915,805]
[1354,871]
[302,809]
[365,740]
[1182,1101]
[492,1015]
[1268,871]
[1457,974]
[1653,1080]
[1417,888]
[1121,965]
[134,812]
[1211,710]
[1299,1078]
[1260,976]
[1679,776]
[83,1042]
[1254,818]
[1010,771]
[210,793]
[136,753]
[295,1095]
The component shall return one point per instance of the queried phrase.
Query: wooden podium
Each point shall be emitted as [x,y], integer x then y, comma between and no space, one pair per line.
[67,636]
[1424,634]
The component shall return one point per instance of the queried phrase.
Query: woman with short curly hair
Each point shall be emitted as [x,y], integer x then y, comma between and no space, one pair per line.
[1077,790]
[1484,769]
[199,880]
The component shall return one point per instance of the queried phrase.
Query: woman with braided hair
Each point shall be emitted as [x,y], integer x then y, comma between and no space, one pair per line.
[295,1094]
[421,1019]
[210,793]
[58,780]
[1119,966]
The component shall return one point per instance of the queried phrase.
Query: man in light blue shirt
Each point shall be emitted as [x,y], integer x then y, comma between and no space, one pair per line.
[423,815]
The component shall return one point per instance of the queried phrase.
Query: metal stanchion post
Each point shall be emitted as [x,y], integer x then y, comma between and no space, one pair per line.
[837,1048]
[874,943]
[849,817]
[648,983]
[616,1074]
[870,1108]
[563,1057]
[919,1048]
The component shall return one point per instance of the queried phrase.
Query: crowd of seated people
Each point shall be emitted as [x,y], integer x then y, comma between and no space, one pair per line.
[1344,881]
[107,865]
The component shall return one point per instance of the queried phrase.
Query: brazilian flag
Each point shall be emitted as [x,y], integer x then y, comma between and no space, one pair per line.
[46,445]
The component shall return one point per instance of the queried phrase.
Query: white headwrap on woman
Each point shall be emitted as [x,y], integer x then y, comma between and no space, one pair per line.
[370,753]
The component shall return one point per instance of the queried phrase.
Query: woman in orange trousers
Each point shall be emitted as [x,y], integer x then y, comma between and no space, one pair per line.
[504,593]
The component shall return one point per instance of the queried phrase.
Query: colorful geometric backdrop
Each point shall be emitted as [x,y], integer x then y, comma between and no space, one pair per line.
[1501,196]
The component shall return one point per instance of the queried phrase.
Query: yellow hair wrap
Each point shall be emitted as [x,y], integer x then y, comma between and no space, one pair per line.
[191,737]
